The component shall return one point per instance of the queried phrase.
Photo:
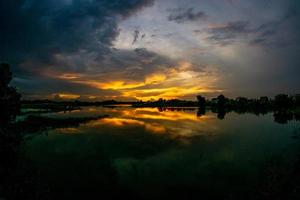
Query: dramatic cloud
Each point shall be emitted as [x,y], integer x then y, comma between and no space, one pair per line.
[40,29]
[143,49]
[125,74]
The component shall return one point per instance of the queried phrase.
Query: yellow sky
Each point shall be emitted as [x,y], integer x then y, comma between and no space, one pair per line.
[180,81]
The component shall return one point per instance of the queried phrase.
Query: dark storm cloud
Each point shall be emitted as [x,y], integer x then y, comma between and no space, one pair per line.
[40,29]
[183,15]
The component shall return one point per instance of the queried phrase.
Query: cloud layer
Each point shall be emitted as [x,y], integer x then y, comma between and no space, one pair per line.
[143,49]
[35,29]
[180,15]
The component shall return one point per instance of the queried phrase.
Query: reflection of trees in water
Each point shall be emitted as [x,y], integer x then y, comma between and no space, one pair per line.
[221,114]
[201,111]
[280,116]
[163,109]
[283,117]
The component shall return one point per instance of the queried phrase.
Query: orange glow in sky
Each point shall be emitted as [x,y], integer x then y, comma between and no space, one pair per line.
[181,81]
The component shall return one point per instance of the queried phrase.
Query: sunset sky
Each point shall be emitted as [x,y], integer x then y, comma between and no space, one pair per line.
[147,49]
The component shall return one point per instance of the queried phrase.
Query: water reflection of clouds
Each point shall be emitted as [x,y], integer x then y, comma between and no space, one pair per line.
[68,130]
[176,122]
[123,122]
[153,113]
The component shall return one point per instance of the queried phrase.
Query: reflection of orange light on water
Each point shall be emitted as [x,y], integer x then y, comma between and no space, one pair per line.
[121,122]
[156,128]
[150,113]
[68,130]
[151,120]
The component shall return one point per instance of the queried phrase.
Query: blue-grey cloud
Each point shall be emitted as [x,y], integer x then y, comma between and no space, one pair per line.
[180,15]
[228,33]
[275,33]
[280,32]
[40,29]
[136,35]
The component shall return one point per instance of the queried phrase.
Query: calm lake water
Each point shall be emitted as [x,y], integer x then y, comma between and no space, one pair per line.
[146,153]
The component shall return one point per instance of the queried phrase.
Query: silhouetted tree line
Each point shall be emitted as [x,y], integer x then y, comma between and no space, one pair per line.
[285,107]
[46,105]
[165,103]
[240,104]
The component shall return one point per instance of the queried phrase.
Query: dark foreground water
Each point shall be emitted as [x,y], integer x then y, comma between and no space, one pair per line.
[145,153]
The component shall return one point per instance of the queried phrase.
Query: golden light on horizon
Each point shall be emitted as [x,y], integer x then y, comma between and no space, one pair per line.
[67,96]
[181,81]
[166,93]
[123,85]
[118,85]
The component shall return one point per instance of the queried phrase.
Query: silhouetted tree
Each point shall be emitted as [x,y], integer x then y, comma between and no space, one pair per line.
[242,101]
[9,98]
[201,101]
[5,75]
[297,100]
[282,101]
[241,104]
[221,100]
[264,100]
